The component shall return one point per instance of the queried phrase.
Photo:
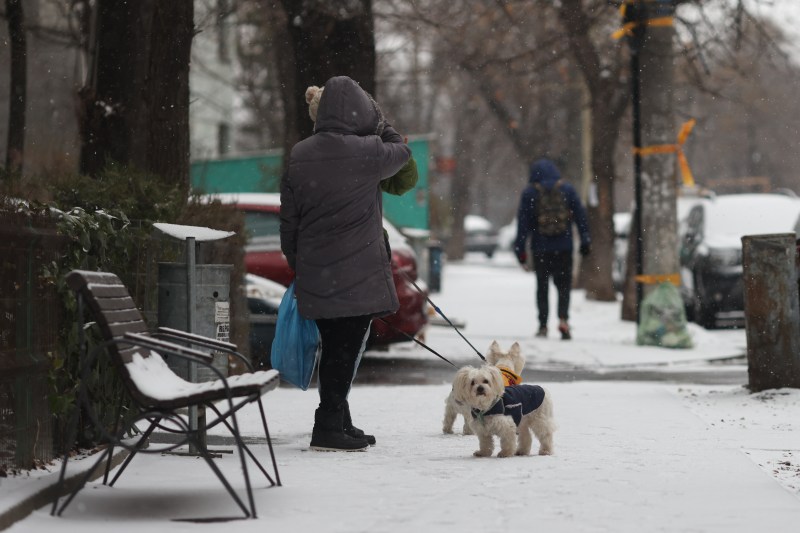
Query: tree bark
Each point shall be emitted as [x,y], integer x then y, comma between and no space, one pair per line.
[167,97]
[135,108]
[107,101]
[596,267]
[462,180]
[326,39]
[15,147]
[608,97]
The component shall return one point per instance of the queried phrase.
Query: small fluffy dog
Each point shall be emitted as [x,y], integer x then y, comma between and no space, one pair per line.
[509,363]
[512,413]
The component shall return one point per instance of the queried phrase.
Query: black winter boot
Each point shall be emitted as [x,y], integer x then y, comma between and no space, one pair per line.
[328,435]
[350,429]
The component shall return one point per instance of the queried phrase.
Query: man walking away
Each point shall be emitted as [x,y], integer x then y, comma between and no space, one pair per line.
[548,208]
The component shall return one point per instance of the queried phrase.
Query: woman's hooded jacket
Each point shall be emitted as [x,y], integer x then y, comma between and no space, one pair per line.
[331,207]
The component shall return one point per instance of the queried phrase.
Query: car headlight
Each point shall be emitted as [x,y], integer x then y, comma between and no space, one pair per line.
[724,257]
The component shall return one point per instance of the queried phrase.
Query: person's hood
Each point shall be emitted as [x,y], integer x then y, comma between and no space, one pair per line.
[347,108]
[545,172]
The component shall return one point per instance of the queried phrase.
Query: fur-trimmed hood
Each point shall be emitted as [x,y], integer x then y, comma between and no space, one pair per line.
[344,107]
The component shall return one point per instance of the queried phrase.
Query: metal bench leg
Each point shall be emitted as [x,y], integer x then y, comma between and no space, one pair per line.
[269,442]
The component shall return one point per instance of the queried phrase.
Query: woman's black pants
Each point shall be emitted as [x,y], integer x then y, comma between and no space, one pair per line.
[343,340]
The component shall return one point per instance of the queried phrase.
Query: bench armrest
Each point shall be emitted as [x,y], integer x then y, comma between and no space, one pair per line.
[198,339]
[206,342]
[169,348]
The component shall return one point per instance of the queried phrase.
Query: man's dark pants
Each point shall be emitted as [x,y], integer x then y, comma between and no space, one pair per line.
[558,266]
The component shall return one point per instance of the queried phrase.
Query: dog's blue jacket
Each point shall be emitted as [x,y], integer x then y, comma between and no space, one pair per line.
[517,401]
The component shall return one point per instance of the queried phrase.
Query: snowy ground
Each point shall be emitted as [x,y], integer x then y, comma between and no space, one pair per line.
[628,456]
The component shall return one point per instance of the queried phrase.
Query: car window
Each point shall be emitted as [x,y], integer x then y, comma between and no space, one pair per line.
[694,221]
[262,224]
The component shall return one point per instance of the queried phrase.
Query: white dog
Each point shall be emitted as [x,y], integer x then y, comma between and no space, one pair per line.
[512,413]
[509,363]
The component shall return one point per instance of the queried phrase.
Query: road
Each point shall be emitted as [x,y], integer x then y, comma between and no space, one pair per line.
[388,371]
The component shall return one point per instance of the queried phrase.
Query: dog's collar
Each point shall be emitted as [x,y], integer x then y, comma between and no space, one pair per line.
[509,376]
[478,414]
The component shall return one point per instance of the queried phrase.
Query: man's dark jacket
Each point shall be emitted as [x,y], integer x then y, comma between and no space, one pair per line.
[545,173]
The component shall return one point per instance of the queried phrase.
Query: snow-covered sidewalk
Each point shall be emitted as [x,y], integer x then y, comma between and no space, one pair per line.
[629,457]
[636,457]
[495,300]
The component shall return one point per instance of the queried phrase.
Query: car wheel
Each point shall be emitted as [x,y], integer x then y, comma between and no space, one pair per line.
[704,312]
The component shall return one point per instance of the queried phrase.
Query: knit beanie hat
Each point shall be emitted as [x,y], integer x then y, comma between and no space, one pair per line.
[313,94]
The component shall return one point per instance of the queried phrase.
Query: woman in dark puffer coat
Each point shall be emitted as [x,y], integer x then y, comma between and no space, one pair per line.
[332,236]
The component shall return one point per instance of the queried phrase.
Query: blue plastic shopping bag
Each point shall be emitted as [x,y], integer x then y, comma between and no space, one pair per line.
[295,348]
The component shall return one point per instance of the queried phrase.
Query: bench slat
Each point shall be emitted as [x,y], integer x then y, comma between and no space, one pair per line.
[121,328]
[107,291]
[111,304]
[123,315]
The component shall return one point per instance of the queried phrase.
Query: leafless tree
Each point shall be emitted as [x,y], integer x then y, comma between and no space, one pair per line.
[261,41]
[135,105]
[326,38]
[17,79]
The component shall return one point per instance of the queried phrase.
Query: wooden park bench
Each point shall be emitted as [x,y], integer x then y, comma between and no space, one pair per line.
[159,397]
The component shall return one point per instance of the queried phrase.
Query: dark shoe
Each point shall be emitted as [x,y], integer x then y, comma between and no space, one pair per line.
[542,332]
[351,430]
[328,435]
[565,334]
[356,433]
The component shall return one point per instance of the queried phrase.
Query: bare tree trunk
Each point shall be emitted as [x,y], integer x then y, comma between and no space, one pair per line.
[461,184]
[596,267]
[15,147]
[326,39]
[107,100]
[135,107]
[608,99]
[167,149]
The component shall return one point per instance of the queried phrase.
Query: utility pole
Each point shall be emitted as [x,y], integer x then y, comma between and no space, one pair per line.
[648,24]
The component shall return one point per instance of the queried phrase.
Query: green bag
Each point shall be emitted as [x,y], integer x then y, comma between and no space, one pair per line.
[663,319]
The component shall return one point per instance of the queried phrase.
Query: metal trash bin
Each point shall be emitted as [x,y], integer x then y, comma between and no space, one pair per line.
[435,260]
[211,313]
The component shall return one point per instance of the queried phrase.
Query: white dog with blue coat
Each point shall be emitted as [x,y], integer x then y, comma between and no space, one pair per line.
[515,413]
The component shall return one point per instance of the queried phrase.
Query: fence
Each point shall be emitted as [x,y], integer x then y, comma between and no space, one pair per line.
[28,333]
[32,329]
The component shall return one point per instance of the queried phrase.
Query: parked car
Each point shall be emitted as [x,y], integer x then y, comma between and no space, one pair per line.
[263,257]
[263,299]
[507,235]
[479,235]
[711,249]
[622,227]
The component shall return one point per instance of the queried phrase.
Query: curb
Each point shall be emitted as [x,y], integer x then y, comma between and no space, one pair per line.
[22,509]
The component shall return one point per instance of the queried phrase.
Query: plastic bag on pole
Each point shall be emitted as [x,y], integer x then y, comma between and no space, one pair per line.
[663,319]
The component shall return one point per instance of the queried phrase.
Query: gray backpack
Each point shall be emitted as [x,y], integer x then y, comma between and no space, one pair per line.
[553,217]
